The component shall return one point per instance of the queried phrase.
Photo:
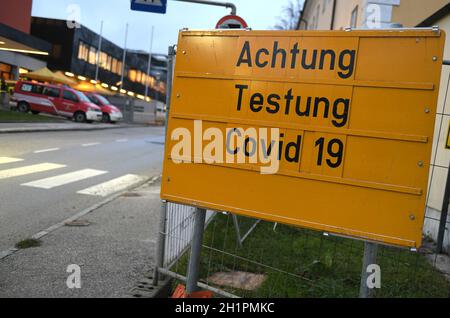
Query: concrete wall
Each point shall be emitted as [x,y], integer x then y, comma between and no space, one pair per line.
[412,12]
[440,154]
[407,12]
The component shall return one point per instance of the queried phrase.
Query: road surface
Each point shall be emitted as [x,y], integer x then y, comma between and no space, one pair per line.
[48,177]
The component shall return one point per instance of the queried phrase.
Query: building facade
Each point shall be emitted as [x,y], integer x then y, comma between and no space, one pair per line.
[341,14]
[19,51]
[76,50]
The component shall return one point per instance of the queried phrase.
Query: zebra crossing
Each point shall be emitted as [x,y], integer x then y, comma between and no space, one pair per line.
[103,189]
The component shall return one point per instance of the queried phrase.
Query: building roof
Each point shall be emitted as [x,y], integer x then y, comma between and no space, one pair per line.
[19,41]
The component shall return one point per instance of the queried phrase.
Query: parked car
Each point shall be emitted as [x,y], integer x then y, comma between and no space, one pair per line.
[56,100]
[111,114]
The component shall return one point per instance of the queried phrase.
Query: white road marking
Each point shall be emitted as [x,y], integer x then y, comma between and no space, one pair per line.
[112,186]
[121,140]
[53,182]
[17,172]
[46,150]
[90,144]
[4,160]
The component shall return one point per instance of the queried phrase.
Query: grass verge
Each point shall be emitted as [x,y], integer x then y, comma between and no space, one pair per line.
[301,263]
[16,117]
[28,243]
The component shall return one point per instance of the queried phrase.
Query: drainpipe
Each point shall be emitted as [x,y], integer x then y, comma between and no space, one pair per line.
[333,14]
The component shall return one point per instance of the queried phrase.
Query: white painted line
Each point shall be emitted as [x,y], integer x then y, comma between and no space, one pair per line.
[46,150]
[4,160]
[53,182]
[17,172]
[91,144]
[121,140]
[54,227]
[113,186]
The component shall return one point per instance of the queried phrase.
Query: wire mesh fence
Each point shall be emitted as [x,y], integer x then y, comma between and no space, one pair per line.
[284,261]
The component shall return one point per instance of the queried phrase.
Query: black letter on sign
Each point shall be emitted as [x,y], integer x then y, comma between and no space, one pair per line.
[258,58]
[256,100]
[273,101]
[245,51]
[241,90]
[347,67]
[297,146]
[276,52]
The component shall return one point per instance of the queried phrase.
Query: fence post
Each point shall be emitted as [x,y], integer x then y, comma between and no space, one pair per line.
[170,67]
[161,243]
[444,215]
[196,247]
[370,257]
[238,231]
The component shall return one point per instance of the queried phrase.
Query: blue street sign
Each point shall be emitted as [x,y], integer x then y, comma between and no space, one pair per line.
[155,6]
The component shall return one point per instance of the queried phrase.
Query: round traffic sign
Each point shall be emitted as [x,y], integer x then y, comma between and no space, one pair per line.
[231,22]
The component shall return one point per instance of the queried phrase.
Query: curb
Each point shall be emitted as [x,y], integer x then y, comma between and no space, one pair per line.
[34,130]
[41,234]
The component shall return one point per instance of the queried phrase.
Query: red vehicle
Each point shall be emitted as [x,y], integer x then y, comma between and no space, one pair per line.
[56,100]
[111,114]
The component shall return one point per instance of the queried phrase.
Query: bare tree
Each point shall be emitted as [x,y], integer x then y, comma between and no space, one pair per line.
[290,16]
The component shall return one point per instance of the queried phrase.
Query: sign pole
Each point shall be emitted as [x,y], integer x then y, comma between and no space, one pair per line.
[149,65]
[124,57]
[196,248]
[161,244]
[99,53]
[370,257]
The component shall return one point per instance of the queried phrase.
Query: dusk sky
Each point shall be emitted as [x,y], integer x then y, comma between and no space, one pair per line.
[259,14]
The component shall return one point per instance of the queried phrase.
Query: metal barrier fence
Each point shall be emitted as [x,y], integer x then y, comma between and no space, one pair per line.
[179,228]
[285,261]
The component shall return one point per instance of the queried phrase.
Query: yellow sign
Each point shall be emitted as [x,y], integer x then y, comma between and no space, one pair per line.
[325,130]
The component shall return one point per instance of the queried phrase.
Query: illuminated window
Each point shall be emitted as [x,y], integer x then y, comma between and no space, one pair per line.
[119,68]
[108,63]
[132,75]
[92,55]
[139,76]
[114,65]
[103,60]
[83,52]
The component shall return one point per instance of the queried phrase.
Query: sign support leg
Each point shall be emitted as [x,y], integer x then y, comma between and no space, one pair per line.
[196,247]
[370,257]
[161,243]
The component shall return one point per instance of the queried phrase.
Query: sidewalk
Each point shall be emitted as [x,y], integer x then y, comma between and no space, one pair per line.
[9,128]
[114,251]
